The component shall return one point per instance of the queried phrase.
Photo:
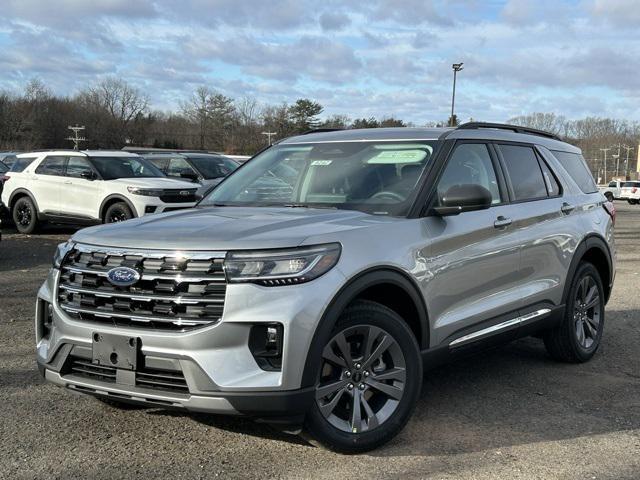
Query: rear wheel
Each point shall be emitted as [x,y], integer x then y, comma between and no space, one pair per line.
[632,202]
[118,212]
[25,215]
[578,337]
[369,382]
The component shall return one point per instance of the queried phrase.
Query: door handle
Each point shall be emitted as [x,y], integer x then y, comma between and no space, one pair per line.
[567,209]
[502,222]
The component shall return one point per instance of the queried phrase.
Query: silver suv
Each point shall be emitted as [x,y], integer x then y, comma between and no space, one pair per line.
[315,283]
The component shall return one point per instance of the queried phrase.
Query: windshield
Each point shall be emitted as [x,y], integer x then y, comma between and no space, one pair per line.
[374,177]
[111,168]
[212,166]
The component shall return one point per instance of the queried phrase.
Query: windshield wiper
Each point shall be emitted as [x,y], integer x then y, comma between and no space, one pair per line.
[304,205]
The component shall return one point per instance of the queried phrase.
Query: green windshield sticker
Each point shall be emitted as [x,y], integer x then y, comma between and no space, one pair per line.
[317,163]
[398,156]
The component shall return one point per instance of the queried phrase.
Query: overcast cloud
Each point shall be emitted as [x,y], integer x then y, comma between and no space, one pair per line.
[380,57]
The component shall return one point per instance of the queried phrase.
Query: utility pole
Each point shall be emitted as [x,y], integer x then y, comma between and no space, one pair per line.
[618,161]
[269,135]
[76,139]
[626,162]
[605,150]
[457,67]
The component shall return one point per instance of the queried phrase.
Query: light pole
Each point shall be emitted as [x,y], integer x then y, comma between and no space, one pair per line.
[456,68]
[269,135]
[605,150]
[626,162]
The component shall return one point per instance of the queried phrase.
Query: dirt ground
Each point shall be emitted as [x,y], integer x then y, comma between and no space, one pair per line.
[510,413]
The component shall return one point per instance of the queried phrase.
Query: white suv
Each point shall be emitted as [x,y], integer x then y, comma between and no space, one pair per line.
[89,187]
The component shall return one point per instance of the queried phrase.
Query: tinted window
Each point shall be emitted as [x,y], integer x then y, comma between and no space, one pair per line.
[524,172]
[125,167]
[213,166]
[77,166]
[575,166]
[178,166]
[51,166]
[21,163]
[613,184]
[631,184]
[161,163]
[3,168]
[9,160]
[470,164]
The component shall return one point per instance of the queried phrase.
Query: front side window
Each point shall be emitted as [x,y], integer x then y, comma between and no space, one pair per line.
[111,168]
[213,166]
[370,176]
[470,164]
[78,167]
[52,166]
[524,172]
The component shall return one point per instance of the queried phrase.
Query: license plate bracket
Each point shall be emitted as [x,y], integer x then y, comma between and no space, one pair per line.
[117,351]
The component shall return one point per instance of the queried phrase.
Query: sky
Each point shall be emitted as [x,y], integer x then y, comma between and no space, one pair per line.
[378,58]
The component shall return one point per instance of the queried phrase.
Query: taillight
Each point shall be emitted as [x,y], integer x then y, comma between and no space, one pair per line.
[4,178]
[610,208]
[634,190]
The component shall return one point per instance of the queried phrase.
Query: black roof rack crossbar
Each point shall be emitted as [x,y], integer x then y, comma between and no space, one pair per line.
[504,126]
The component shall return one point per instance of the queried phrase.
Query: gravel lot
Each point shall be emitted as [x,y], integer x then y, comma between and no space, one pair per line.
[508,413]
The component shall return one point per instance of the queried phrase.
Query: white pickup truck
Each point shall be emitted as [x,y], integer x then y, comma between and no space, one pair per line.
[612,190]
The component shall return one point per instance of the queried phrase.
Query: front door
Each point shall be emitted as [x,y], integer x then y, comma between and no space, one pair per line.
[81,188]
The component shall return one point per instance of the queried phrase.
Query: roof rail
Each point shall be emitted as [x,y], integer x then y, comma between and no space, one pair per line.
[504,126]
[321,130]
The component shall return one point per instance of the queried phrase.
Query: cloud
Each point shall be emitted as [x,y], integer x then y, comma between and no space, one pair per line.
[334,21]
[625,13]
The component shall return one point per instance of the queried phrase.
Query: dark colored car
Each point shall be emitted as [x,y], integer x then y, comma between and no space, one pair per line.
[204,168]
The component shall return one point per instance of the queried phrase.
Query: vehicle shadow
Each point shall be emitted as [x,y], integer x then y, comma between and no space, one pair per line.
[506,396]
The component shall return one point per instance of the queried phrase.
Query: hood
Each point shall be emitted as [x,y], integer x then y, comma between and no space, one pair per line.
[227,228]
[154,182]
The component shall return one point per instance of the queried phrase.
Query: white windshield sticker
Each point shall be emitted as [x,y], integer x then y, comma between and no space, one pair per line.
[318,163]
[398,156]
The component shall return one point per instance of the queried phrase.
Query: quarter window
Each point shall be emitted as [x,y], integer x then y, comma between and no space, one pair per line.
[51,166]
[524,172]
[21,163]
[575,165]
[470,164]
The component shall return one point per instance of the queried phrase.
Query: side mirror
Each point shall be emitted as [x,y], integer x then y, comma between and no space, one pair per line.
[189,175]
[463,198]
[88,175]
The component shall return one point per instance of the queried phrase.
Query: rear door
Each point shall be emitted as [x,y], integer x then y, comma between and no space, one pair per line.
[46,183]
[81,189]
[474,256]
[540,217]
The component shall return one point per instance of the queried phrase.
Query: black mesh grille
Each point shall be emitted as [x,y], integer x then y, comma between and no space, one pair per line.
[172,293]
[178,196]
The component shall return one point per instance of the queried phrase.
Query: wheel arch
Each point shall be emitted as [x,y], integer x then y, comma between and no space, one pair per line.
[19,193]
[594,249]
[386,285]
[115,198]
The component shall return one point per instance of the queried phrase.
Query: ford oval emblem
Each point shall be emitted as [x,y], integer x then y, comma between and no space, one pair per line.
[123,276]
[184,193]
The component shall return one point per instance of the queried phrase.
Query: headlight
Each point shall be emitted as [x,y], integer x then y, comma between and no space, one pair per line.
[147,192]
[61,252]
[281,267]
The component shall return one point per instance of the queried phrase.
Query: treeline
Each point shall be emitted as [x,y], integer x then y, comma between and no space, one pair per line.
[116,114]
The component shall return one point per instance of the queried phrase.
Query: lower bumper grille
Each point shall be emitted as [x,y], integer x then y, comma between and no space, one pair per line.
[165,380]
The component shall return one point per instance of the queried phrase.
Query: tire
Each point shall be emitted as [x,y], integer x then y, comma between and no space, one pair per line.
[578,337]
[25,215]
[632,202]
[609,196]
[118,212]
[397,369]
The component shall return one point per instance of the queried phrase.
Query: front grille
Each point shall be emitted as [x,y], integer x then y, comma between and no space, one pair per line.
[145,378]
[175,196]
[173,293]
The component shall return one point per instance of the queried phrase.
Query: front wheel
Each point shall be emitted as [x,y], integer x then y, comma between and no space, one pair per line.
[369,382]
[118,212]
[25,215]
[578,336]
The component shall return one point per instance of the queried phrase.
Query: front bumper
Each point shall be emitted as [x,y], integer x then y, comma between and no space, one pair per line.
[219,370]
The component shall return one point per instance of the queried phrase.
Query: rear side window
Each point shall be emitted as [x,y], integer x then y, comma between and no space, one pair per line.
[524,172]
[21,163]
[575,166]
[51,166]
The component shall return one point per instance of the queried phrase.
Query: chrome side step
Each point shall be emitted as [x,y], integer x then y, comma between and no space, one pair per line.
[499,327]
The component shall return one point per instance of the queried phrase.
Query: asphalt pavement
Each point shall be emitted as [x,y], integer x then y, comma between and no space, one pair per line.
[509,413]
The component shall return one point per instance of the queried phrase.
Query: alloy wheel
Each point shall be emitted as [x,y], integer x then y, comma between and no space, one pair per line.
[362,379]
[117,215]
[24,214]
[587,311]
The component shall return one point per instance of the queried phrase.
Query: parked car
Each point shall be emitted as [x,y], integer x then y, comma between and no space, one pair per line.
[89,187]
[3,169]
[628,191]
[205,169]
[8,158]
[321,305]
[612,190]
